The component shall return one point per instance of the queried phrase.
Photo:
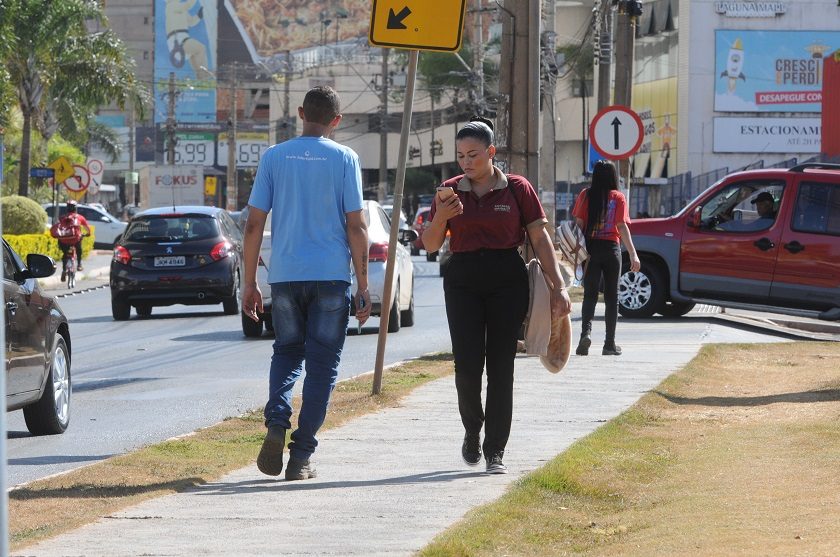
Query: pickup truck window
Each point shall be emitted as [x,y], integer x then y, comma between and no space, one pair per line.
[817,208]
[743,206]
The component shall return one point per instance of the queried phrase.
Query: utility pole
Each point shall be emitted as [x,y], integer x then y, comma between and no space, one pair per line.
[548,154]
[171,125]
[478,64]
[520,84]
[604,53]
[383,131]
[625,40]
[132,131]
[232,190]
[432,122]
[287,116]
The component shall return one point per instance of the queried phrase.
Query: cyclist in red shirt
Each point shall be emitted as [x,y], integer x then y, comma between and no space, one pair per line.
[68,231]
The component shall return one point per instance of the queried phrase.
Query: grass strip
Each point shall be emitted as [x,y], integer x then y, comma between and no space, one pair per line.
[48,507]
[735,454]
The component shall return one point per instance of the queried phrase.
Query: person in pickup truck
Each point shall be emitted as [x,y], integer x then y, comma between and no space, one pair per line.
[765,206]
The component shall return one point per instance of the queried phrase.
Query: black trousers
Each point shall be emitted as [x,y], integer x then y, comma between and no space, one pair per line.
[64,249]
[604,261]
[486,295]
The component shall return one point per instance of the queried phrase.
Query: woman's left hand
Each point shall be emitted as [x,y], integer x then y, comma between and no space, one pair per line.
[560,303]
[635,264]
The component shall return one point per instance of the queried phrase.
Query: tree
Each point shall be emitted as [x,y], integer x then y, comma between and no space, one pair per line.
[61,72]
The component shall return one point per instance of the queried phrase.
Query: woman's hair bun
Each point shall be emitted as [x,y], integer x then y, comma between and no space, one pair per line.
[483,120]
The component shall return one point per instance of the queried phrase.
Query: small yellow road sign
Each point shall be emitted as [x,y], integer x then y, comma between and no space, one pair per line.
[418,24]
[63,169]
[210,185]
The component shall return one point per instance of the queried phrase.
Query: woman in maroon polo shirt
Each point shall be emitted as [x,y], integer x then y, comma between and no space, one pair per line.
[601,212]
[486,284]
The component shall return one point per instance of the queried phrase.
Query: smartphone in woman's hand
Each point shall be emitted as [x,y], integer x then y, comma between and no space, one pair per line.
[445,192]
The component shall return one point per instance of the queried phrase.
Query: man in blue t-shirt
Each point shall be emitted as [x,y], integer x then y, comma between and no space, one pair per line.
[313,187]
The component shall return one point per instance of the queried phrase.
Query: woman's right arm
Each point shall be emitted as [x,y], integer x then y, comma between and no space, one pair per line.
[434,236]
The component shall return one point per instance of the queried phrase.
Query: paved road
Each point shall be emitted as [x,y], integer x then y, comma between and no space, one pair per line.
[146,380]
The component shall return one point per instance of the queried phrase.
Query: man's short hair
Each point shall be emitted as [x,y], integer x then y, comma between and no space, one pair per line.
[321,105]
[763,196]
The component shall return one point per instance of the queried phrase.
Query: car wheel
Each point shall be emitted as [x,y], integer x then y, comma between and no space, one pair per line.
[395,314]
[641,294]
[407,316]
[231,303]
[120,310]
[431,256]
[144,310]
[251,328]
[676,309]
[51,414]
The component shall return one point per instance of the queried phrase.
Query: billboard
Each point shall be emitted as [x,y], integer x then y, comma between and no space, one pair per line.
[656,104]
[186,33]
[175,185]
[771,71]
[270,26]
[767,135]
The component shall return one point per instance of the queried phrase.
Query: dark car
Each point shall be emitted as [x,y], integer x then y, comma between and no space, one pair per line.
[177,255]
[37,345]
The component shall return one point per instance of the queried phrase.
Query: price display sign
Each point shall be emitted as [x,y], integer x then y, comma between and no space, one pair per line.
[195,148]
[249,148]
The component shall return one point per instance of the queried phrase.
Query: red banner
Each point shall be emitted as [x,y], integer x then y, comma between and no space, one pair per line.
[831,105]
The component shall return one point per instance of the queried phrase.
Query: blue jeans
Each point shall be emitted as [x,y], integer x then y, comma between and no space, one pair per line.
[310,324]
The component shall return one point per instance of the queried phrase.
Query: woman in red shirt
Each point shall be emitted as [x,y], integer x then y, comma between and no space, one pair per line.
[601,212]
[486,283]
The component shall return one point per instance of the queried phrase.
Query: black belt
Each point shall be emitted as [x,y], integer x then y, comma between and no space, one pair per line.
[486,252]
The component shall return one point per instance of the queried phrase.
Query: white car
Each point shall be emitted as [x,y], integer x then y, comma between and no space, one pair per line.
[107,227]
[402,291]
[251,328]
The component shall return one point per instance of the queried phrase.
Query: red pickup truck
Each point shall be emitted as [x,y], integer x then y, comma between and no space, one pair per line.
[765,240]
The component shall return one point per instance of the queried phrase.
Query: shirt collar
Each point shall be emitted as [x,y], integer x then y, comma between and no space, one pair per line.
[501,181]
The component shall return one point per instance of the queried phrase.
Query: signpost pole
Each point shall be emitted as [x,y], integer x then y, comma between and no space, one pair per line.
[395,220]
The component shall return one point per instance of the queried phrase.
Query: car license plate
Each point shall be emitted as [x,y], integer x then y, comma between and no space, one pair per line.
[170,261]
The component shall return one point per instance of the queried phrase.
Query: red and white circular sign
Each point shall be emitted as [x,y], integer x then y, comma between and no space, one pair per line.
[79,181]
[616,132]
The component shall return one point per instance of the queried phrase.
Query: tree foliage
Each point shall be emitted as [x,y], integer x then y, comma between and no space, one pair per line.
[61,72]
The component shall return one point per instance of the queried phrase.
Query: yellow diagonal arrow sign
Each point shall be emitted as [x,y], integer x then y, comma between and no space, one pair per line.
[418,24]
[63,169]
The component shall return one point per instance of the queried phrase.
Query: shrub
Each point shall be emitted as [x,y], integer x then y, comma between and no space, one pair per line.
[44,244]
[22,215]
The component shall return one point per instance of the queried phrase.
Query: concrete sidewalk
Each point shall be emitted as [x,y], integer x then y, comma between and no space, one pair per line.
[388,482]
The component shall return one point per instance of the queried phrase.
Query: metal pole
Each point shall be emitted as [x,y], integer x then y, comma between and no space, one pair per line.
[604,54]
[170,121]
[4,487]
[383,131]
[232,193]
[624,51]
[129,187]
[395,222]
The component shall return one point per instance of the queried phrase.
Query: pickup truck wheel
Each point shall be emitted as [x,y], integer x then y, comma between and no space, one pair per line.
[641,294]
[676,309]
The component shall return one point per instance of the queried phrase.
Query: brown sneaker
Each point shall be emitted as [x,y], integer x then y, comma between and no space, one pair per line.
[270,459]
[300,470]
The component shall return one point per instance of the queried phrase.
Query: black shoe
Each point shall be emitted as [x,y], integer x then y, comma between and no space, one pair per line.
[80,268]
[611,350]
[270,459]
[495,464]
[583,346]
[300,470]
[471,449]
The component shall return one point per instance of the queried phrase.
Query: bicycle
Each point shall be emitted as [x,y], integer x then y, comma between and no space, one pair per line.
[69,266]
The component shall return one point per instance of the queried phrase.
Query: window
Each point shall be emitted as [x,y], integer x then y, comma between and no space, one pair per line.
[9,268]
[744,206]
[817,208]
